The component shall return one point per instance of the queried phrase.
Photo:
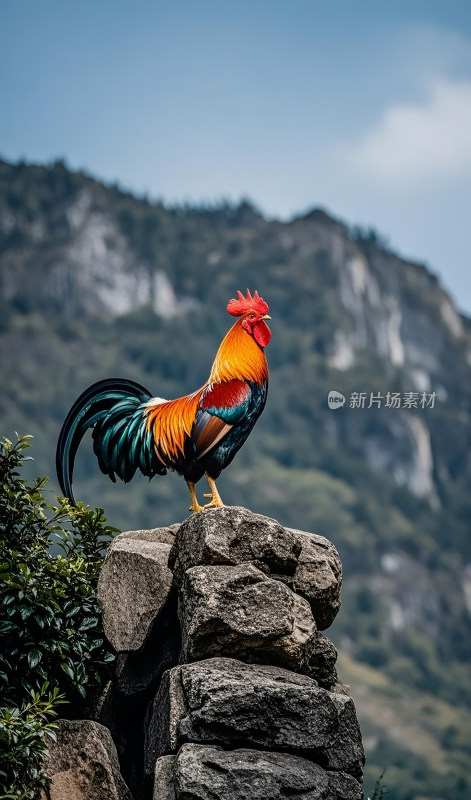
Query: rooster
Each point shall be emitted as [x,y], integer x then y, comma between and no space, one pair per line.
[194,435]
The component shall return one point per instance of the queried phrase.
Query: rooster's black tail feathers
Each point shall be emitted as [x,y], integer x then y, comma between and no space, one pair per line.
[114,408]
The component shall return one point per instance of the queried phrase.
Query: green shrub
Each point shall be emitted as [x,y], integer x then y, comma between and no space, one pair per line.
[52,646]
[23,733]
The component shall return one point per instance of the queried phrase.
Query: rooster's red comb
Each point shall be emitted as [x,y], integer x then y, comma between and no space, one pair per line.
[244,304]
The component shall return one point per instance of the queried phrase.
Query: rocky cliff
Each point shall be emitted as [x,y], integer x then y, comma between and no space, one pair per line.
[225,687]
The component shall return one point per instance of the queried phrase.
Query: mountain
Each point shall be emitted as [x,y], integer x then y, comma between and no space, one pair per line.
[95,283]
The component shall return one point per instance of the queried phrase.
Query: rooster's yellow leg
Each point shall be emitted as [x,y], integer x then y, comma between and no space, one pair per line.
[195,506]
[215,501]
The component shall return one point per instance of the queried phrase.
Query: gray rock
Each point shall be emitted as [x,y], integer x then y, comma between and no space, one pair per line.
[259,776]
[234,535]
[102,704]
[83,763]
[346,748]
[134,584]
[136,671]
[341,688]
[307,563]
[322,659]
[239,611]
[203,772]
[239,704]
[164,787]
[342,787]
[164,535]
[168,708]
[318,576]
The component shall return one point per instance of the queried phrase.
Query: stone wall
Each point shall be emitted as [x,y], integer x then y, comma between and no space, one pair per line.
[225,687]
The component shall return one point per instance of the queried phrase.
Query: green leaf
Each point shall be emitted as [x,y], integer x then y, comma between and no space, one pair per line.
[8,599]
[71,612]
[7,626]
[109,657]
[88,622]
[34,657]
[92,644]
[68,670]
[26,612]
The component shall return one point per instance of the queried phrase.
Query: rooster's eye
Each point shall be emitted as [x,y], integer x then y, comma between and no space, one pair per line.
[252,316]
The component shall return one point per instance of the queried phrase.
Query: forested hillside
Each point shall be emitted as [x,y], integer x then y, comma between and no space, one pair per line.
[97,283]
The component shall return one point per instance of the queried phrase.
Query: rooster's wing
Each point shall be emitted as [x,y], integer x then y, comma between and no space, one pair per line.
[221,406]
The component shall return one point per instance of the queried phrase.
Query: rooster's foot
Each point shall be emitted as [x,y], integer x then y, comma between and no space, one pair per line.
[195,506]
[215,501]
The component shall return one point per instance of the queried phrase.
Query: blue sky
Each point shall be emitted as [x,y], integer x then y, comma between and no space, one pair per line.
[363,108]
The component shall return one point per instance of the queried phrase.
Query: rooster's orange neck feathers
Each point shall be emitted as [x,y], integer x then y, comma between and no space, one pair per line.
[239,358]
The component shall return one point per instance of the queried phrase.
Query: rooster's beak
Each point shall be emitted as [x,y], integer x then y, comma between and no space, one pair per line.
[267,316]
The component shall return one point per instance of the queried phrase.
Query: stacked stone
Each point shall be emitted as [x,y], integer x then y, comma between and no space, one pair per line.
[254,709]
[225,687]
[139,604]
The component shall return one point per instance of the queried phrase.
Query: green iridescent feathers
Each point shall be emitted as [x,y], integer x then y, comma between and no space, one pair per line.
[114,408]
